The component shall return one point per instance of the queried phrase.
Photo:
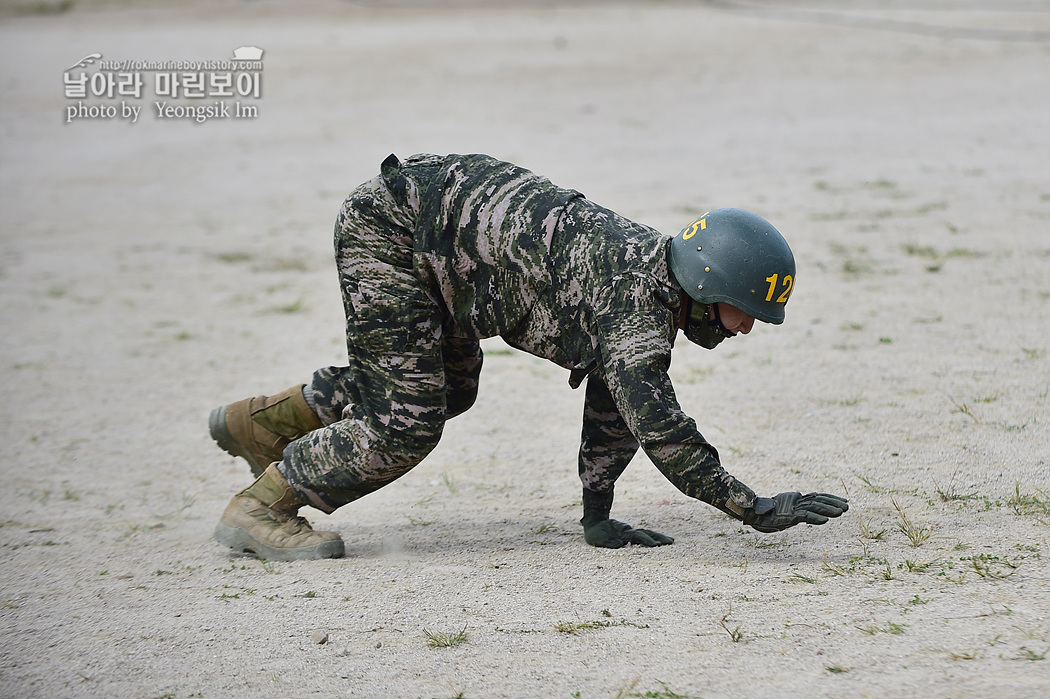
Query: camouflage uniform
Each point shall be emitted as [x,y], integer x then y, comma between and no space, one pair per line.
[439,252]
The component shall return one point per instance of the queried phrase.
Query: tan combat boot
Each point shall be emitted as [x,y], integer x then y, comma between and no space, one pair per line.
[258,429]
[261,519]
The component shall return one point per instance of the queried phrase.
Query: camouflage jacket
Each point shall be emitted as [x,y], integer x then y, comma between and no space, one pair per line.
[505,252]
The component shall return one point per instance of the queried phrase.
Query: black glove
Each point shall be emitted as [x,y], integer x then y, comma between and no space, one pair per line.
[599,530]
[788,509]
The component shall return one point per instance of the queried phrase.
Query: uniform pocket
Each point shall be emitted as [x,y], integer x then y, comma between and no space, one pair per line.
[379,319]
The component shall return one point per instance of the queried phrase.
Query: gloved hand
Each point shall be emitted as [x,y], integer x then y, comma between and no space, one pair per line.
[788,509]
[599,530]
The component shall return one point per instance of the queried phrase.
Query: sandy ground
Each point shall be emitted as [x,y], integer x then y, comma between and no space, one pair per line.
[150,271]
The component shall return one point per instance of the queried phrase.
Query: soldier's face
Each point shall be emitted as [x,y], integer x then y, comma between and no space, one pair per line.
[734,320]
[708,325]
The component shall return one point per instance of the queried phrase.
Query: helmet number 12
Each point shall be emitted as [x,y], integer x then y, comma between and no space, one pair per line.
[787,283]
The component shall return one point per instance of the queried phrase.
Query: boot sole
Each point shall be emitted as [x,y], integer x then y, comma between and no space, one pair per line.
[226,442]
[239,540]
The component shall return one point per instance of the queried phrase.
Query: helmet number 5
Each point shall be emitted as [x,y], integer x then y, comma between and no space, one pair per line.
[787,283]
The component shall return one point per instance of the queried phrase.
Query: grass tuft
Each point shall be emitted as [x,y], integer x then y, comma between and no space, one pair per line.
[573,627]
[665,693]
[965,655]
[1029,503]
[917,534]
[867,532]
[268,566]
[735,634]
[989,566]
[914,567]
[891,628]
[1028,654]
[440,639]
[446,477]
[869,484]
[964,409]
[833,568]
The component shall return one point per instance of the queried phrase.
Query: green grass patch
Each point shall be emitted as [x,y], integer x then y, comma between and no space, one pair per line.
[440,639]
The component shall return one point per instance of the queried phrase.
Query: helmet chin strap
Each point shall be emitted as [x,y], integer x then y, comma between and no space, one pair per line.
[699,328]
[717,324]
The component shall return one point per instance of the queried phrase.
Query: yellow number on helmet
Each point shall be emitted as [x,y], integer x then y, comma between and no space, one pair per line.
[699,224]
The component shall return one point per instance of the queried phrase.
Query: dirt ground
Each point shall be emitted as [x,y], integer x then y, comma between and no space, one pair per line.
[150,271]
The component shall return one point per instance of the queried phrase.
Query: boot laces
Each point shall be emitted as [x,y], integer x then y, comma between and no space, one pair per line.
[296,525]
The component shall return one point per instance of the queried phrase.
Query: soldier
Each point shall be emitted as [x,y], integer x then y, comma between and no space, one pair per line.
[437,253]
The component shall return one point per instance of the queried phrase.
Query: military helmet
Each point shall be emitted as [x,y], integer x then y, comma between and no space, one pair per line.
[736,257]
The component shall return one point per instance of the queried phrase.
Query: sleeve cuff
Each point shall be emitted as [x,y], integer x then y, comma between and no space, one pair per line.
[595,503]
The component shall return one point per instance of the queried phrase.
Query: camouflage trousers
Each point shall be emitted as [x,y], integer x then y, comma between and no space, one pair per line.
[385,411]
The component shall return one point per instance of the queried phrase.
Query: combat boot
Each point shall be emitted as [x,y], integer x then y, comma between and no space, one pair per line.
[258,429]
[261,519]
